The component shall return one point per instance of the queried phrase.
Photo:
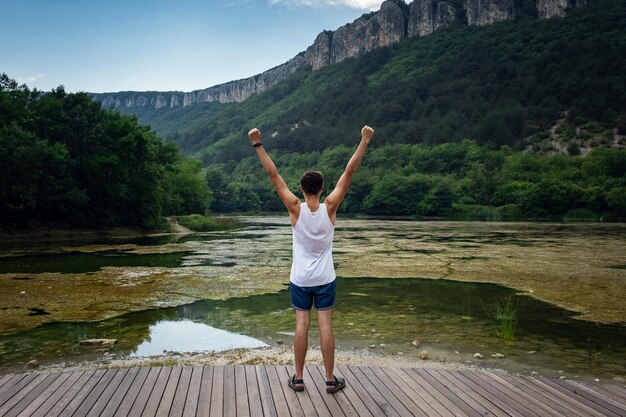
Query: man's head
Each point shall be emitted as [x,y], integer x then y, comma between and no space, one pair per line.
[311,182]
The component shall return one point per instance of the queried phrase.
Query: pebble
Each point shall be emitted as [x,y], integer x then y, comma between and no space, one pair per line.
[372,346]
[416,342]
[382,345]
[279,342]
[597,380]
[562,377]
[531,352]
[32,364]
[497,355]
[456,352]
[424,354]
[400,353]
[478,356]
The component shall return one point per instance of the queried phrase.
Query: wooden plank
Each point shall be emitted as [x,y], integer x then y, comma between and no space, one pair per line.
[359,406]
[618,390]
[595,396]
[18,385]
[564,408]
[340,396]
[578,398]
[389,395]
[130,396]
[217,394]
[316,383]
[425,381]
[514,394]
[315,393]
[564,397]
[230,401]
[306,404]
[180,395]
[385,402]
[600,391]
[392,386]
[254,395]
[91,389]
[42,404]
[241,392]
[204,402]
[55,404]
[449,393]
[168,393]
[144,393]
[193,395]
[372,403]
[110,400]
[21,390]
[282,409]
[154,400]
[418,395]
[498,400]
[267,401]
[278,384]
[109,381]
[6,378]
[468,395]
[37,395]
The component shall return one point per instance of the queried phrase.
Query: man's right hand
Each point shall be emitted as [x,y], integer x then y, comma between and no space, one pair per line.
[254,135]
[367,133]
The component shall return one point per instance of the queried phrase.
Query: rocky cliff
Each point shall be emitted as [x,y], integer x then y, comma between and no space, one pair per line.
[425,17]
[556,8]
[486,12]
[394,21]
[234,91]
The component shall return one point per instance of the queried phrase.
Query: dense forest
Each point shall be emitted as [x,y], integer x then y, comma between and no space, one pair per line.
[64,161]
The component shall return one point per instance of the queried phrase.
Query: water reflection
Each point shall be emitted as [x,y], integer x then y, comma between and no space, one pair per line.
[187,336]
[452,320]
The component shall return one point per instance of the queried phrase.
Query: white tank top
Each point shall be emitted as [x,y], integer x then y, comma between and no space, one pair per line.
[313,248]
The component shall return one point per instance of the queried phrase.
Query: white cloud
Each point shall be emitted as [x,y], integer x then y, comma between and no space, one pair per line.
[29,78]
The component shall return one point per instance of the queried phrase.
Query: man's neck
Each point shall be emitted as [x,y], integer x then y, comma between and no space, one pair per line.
[312,201]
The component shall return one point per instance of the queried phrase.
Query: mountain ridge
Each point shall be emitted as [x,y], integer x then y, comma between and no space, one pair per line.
[394,21]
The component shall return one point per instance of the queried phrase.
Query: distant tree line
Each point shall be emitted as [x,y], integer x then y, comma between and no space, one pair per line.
[65,161]
[456,180]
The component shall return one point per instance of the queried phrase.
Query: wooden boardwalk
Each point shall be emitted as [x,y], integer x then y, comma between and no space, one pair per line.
[261,391]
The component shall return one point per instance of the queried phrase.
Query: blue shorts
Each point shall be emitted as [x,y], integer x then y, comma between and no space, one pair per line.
[303,298]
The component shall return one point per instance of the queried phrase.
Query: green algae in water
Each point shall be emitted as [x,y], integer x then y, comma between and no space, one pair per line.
[443,315]
[85,262]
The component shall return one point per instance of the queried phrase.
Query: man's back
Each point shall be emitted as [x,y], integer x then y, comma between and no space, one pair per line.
[312,248]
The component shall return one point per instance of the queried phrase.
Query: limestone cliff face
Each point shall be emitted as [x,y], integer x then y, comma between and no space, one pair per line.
[426,17]
[234,91]
[486,12]
[368,32]
[556,8]
[318,54]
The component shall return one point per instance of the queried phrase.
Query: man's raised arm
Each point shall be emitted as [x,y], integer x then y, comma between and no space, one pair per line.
[288,198]
[335,198]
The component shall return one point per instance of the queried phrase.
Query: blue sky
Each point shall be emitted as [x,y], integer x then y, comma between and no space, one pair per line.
[118,45]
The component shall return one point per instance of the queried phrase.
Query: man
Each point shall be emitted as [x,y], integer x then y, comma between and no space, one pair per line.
[312,279]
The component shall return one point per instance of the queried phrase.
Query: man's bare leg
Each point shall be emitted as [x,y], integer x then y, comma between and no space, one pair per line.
[301,340]
[327,341]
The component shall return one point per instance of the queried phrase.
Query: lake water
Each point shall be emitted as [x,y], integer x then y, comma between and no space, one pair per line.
[439,284]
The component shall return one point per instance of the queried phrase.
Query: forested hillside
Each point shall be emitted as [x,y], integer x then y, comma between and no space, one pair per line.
[64,161]
[472,122]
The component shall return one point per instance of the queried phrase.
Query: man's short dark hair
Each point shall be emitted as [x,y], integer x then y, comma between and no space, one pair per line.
[312,182]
